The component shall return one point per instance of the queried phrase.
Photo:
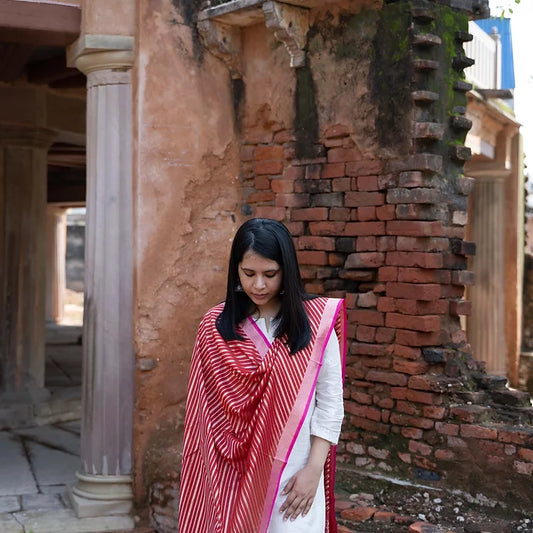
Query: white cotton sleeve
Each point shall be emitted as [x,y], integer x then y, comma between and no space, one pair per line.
[327,416]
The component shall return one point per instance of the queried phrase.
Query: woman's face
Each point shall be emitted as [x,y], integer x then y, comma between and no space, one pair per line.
[261,280]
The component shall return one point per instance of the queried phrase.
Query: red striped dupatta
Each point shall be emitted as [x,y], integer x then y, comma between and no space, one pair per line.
[246,402]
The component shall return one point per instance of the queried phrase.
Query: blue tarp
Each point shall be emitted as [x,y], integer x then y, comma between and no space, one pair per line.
[503,26]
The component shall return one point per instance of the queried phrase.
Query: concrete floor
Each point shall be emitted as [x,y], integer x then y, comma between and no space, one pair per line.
[39,453]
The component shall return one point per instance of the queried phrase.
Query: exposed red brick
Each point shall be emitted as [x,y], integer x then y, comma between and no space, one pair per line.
[364,228]
[268,167]
[327,228]
[367,299]
[412,433]
[409,367]
[522,436]
[270,211]
[405,457]
[424,527]
[369,425]
[432,411]
[360,199]
[365,214]
[463,277]
[422,275]
[415,259]
[414,228]
[386,304]
[365,260]
[478,432]
[425,463]
[369,318]
[358,514]
[338,155]
[292,200]
[447,429]
[407,352]
[268,152]
[312,258]
[418,307]
[444,455]
[367,183]
[281,185]
[407,408]
[367,244]
[387,377]
[383,516]
[414,322]
[398,393]
[525,453]
[360,348]
[262,183]
[386,244]
[339,213]
[261,196]
[366,167]
[293,173]
[414,291]
[385,335]
[361,397]
[422,397]
[313,242]
[411,179]
[427,382]
[460,307]
[341,184]
[310,213]
[385,212]
[420,447]
[334,170]
[366,334]
[422,244]
[407,420]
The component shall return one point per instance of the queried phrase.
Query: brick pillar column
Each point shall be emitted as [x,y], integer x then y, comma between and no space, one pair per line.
[56,245]
[486,324]
[23,150]
[104,483]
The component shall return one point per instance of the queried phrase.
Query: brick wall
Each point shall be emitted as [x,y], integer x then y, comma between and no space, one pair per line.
[387,233]
[372,190]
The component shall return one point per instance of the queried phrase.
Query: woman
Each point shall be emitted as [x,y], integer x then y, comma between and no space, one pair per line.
[264,404]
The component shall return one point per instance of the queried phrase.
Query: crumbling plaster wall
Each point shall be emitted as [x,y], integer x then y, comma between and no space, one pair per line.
[185,210]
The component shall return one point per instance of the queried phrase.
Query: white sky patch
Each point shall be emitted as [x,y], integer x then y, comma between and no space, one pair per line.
[522,35]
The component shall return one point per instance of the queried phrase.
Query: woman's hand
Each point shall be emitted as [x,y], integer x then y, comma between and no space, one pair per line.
[300,490]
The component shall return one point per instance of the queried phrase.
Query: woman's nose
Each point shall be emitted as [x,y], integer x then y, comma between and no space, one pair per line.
[259,282]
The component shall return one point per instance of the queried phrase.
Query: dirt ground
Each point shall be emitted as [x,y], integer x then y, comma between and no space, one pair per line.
[456,511]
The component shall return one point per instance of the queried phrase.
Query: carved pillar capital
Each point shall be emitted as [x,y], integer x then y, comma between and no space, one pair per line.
[92,53]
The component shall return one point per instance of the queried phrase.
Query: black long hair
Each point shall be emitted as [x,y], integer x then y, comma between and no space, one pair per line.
[272,240]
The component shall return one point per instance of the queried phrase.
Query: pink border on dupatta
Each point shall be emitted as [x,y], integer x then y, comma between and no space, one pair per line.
[255,334]
[300,407]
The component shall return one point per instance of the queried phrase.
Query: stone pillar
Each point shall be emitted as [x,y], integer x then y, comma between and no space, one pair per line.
[104,484]
[23,171]
[486,325]
[56,246]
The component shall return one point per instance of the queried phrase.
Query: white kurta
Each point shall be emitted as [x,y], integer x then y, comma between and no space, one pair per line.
[324,420]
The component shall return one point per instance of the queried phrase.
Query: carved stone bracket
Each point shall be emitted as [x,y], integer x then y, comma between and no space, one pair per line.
[224,42]
[290,25]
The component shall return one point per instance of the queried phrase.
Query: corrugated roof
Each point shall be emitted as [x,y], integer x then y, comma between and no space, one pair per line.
[503,26]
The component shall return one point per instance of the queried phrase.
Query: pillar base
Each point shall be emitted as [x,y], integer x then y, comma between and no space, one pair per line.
[95,495]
